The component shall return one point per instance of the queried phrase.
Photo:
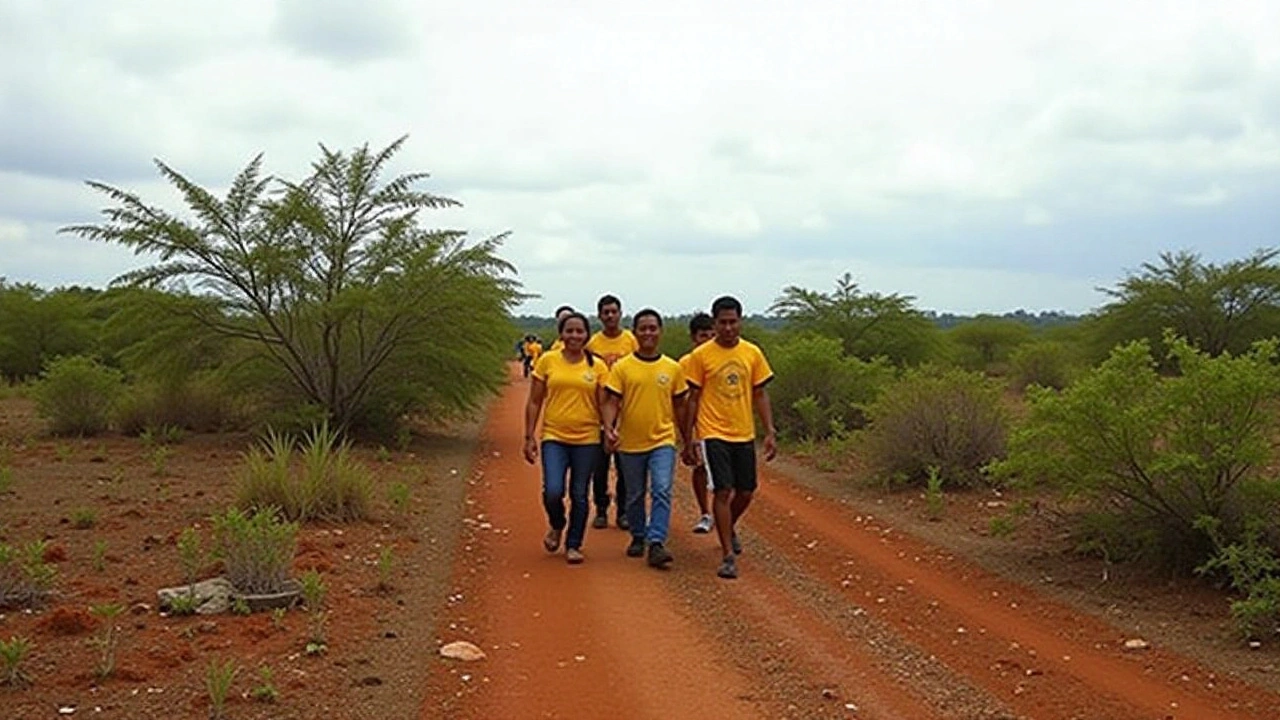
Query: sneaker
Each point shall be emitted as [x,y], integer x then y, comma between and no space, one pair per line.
[704,525]
[728,569]
[636,548]
[736,544]
[623,523]
[552,540]
[601,522]
[574,556]
[659,556]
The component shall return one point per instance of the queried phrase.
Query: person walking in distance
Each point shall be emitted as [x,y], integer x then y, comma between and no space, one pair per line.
[701,330]
[561,313]
[727,379]
[643,411]
[610,343]
[566,391]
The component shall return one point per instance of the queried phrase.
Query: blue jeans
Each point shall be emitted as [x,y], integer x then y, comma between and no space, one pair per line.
[652,471]
[558,460]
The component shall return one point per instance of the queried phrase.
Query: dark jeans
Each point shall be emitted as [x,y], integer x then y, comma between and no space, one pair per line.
[600,482]
[576,461]
[654,471]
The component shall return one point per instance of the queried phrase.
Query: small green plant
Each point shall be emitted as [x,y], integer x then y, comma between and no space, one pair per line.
[313,596]
[100,555]
[277,618]
[240,606]
[398,494]
[190,555]
[25,578]
[76,394]
[385,563]
[160,455]
[62,452]
[108,639]
[383,455]
[183,604]
[404,438]
[84,518]
[6,479]
[1001,526]
[935,500]
[218,677]
[164,434]
[256,549]
[265,691]
[12,654]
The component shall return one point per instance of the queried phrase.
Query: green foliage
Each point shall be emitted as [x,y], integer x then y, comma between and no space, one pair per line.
[256,549]
[1046,363]
[817,391]
[37,326]
[83,518]
[948,419]
[76,394]
[985,343]
[314,592]
[386,562]
[868,325]
[265,691]
[327,482]
[25,578]
[190,554]
[218,677]
[1215,308]
[99,559]
[1252,568]
[6,479]
[12,655]
[183,605]
[108,639]
[935,500]
[1155,454]
[344,301]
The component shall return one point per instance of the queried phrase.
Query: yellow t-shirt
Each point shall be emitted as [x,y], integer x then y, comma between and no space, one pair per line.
[727,377]
[613,348]
[647,388]
[558,344]
[533,350]
[570,413]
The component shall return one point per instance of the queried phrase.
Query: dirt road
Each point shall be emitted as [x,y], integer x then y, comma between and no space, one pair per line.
[836,615]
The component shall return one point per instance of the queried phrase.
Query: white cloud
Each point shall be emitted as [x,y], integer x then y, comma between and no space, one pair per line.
[993,155]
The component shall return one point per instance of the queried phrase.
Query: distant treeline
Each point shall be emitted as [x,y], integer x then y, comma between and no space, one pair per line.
[945,321]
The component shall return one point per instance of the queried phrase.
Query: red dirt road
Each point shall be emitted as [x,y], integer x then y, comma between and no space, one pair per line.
[835,615]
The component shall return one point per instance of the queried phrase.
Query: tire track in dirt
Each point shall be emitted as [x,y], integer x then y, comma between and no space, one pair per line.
[1044,660]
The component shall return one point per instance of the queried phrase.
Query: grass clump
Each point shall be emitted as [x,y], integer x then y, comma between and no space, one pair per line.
[318,480]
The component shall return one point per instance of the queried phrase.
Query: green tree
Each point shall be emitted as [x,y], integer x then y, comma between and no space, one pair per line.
[362,313]
[868,325]
[37,326]
[1216,308]
[986,342]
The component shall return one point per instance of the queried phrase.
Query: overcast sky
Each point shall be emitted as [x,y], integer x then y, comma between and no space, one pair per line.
[980,156]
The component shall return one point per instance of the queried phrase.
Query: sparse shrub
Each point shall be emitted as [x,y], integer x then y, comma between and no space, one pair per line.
[256,549]
[935,500]
[25,578]
[218,677]
[947,419]
[12,654]
[199,405]
[84,518]
[183,604]
[76,394]
[326,484]
[160,460]
[398,495]
[314,592]
[1045,363]
[162,434]
[1151,455]
[190,554]
[108,639]
[1252,568]
[818,390]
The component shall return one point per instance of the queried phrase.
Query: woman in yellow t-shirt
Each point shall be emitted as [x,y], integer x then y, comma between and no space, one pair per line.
[566,391]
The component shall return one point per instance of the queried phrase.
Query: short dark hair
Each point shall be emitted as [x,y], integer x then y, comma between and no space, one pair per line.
[699,322]
[561,309]
[647,312]
[726,302]
[608,300]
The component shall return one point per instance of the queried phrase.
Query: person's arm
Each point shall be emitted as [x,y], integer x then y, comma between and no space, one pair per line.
[690,454]
[612,403]
[680,405]
[532,409]
[760,398]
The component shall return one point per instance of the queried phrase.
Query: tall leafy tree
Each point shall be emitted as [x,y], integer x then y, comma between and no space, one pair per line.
[364,313]
[37,326]
[1217,308]
[868,325]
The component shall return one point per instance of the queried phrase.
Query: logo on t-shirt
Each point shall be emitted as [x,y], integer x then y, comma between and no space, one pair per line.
[589,376]
[732,379]
[663,378]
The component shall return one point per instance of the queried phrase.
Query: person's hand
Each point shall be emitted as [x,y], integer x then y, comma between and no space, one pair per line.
[530,450]
[690,455]
[770,446]
[611,439]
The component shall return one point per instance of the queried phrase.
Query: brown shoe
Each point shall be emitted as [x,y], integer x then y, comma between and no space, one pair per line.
[574,556]
[552,540]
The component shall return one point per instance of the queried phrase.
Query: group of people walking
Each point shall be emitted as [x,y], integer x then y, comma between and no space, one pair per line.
[612,398]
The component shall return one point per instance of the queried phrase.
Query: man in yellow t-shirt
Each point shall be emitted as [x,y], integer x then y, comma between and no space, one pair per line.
[532,351]
[561,312]
[611,342]
[643,410]
[727,380]
[701,330]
